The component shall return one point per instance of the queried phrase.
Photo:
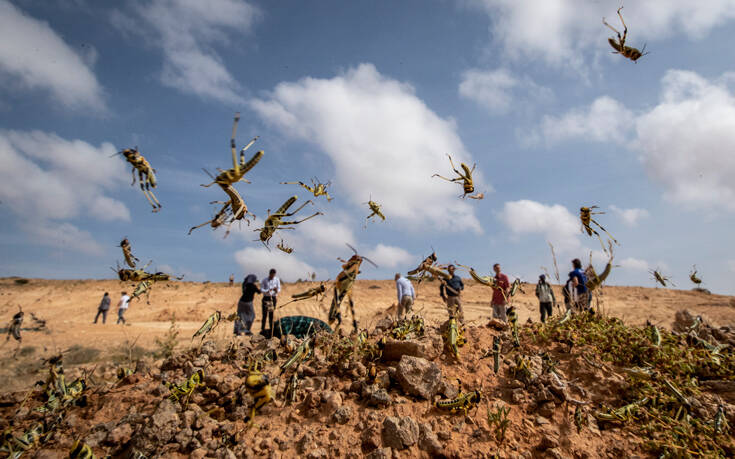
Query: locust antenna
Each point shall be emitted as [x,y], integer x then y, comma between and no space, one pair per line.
[353,249]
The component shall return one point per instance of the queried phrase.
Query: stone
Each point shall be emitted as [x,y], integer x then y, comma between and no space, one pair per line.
[428,441]
[164,423]
[208,348]
[198,453]
[370,437]
[517,396]
[395,349]
[380,453]
[548,441]
[305,443]
[332,400]
[399,433]
[418,376]
[447,390]
[376,397]
[120,434]
[497,324]
[318,453]
[546,409]
[540,420]
[342,415]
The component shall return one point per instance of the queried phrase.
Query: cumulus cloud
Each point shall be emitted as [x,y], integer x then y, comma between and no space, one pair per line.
[634,264]
[41,182]
[630,216]
[554,222]
[687,141]
[561,32]
[186,31]
[387,256]
[375,130]
[602,121]
[33,56]
[260,260]
[498,90]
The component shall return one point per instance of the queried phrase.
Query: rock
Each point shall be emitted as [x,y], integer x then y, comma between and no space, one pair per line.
[382,380]
[399,433]
[370,437]
[208,348]
[447,390]
[380,453]
[497,324]
[120,434]
[543,395]
[318,453]
[428,441]
[314,383]
[305,443]
[225,453]
[517,395]
[548,441]
[341,415]
[164,423]
[332,400]
[376,396]
[546,409]
[418,376]
[386,323]
[540,420]
[198,453]
[395,349]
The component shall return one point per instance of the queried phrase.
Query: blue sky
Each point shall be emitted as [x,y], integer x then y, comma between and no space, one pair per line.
[372,96]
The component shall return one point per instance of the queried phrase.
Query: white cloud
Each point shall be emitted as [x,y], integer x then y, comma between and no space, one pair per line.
[498,90]
[259,260]
[687,141]
[387,256]
[561,32]
[630,216]
[555,223]
[634,264]
[354,118]
[603,121]
[186,31]
[63,236]
[731,265]
[34,56]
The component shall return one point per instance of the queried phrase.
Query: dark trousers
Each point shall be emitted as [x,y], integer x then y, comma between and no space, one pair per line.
[545,309]
[104,315]
[121,315]
[245,317]
[267,307]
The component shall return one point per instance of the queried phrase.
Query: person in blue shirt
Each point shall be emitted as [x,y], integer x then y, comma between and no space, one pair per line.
[582,293]
[406,295]
[449,291]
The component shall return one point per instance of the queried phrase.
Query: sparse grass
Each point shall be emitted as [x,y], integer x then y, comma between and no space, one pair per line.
[26,350]
[21,281]
[167,344]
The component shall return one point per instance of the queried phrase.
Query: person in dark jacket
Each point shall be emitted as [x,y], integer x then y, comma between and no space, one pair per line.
[103,308]
[245,311]
[450,291]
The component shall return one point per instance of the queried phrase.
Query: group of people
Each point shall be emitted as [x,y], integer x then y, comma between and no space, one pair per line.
[576,296]
[104,307]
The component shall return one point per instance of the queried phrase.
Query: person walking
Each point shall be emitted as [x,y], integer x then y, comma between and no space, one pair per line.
[569,291]
[103,308]
[232,280]
[501,290]
[449,291]
[579,280]
[270,287]
[245,310]
[406,295]
[122,306]
[545,295]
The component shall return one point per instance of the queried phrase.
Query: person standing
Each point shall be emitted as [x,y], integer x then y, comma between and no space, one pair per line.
[580,280]
[245,310]
[501,290]
[406,295]
[545,295]
[450,290]
[232,280]
[122,306]
[270,287]
[103,308]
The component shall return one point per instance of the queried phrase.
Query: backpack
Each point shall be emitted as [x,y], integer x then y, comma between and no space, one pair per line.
[544,293]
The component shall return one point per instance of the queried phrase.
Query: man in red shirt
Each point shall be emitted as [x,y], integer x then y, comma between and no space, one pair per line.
[501,289]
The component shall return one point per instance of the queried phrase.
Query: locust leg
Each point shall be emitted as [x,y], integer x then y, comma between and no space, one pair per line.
[233,146]
[459,179]
[133,182]
[603,229]
[287,214]
[352,311]
[157,205]
[454,168]
[296,222]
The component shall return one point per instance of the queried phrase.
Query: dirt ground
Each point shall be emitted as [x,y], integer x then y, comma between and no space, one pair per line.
[69,307]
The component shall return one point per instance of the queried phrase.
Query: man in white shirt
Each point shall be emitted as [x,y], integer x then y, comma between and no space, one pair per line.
[270,287]
[122,306]
[406,295]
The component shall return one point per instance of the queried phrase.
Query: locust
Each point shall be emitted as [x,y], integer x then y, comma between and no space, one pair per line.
[301,353]
[14,329]
[182,392]
[487,281]
[130,259]
[515,287]
[466,177]
[619,46]
[595,280]
[513,319]
[317,188]
[343,287]
[81,450]
[375,209]
[14,447]
[464,402]
[420,271]
[209,325]
[496,354]
[719,424]
[143,287]
[454,337]
[655,333]
[239,169]
[258,386]
[585,216]
[314,292]
[275,220]
[407,327]
[283,247]
[292,388]
[622,414]
[693,276]
[660,278]
[579,419]
[146,175]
